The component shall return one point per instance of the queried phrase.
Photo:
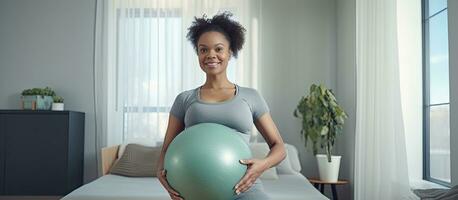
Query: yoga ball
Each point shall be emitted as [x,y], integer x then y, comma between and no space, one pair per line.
[202,162]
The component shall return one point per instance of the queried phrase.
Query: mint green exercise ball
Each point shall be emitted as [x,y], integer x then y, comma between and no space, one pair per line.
[202,162]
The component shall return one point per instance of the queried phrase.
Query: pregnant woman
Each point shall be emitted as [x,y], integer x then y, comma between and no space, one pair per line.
[220,101]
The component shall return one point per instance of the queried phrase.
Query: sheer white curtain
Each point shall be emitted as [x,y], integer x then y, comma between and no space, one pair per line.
[149,61]
[380,148]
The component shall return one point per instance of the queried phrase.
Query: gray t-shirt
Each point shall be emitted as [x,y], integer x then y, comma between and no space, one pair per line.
[238,113]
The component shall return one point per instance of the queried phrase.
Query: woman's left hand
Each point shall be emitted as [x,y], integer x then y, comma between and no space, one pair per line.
[255,168]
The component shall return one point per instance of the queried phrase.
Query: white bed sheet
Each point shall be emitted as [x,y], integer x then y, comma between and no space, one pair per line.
[113,187]
[292,187]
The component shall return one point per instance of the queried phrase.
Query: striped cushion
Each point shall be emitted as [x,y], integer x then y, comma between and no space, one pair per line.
[137,161]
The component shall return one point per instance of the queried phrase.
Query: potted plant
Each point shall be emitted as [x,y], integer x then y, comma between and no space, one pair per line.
[322,121]
[37,98]
[58,103]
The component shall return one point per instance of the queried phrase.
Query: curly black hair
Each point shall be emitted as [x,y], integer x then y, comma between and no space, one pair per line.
[222,23]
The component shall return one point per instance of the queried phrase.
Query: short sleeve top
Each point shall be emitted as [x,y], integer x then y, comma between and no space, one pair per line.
[238,113]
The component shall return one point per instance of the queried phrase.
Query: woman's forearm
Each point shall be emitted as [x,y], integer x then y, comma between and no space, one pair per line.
[160,163]
[173,129]
[276,155]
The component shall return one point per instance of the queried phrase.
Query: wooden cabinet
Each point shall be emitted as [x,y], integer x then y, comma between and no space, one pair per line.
[42,152]
[2,156]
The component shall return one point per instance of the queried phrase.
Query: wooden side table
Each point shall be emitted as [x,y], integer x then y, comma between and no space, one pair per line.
[319,184]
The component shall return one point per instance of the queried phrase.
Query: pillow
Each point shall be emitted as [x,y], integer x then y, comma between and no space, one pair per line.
[137,161]
[293,157]
[142,141]
[260,151]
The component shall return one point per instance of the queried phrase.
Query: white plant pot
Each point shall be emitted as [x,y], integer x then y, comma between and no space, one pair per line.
[329,171]
[57,106]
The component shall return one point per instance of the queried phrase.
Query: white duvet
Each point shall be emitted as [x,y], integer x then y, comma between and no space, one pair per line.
[113,187]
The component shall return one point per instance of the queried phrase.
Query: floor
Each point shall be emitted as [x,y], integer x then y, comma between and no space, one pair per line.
[30,197]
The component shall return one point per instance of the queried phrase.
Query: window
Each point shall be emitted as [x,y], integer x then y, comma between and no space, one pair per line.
[436,116]
[146,69]
[154,62]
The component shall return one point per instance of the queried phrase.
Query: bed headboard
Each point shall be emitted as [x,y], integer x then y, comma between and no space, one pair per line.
[109,156]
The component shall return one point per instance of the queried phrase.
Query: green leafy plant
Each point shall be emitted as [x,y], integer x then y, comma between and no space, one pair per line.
[47,91]
[58,99]
[322,118]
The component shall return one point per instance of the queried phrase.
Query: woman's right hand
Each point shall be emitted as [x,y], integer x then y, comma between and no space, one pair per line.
[161,175]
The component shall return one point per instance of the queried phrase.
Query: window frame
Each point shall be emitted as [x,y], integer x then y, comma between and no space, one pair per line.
[426,93]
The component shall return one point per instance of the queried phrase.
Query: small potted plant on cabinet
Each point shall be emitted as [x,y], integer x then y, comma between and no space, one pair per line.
[322,119]
[58,103]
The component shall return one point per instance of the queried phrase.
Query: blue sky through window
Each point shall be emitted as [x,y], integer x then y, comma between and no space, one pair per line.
[436,6]
[439,61]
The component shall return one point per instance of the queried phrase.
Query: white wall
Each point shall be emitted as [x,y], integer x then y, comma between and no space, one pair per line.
[50,43]
[298,49]
[410,64]
[346,89]
[453,52]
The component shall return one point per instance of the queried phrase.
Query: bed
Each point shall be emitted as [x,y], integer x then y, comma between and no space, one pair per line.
[285,183]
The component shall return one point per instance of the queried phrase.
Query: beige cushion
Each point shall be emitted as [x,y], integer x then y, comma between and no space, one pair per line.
[260,151]
[137,161]
[142,141]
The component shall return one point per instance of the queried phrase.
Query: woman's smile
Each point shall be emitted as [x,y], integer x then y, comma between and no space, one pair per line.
[212,64]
